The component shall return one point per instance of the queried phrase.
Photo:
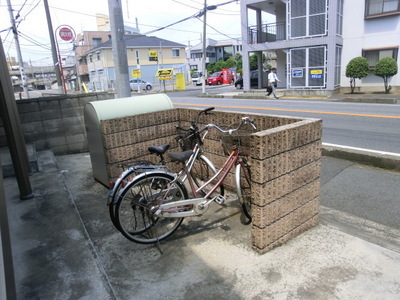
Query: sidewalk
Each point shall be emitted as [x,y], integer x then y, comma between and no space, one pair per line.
[65,246]
[382,98]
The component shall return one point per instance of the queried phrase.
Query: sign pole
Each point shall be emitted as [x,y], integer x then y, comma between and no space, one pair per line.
[67,34]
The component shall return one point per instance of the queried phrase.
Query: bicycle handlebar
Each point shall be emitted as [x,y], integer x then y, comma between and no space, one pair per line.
[245,120]
[194,124]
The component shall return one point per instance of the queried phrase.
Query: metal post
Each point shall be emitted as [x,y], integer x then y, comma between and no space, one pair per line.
[64,88]
[204,49]
[78,73]
[20,60]
[12,126]
[119,48]
[53,47]
[10,292]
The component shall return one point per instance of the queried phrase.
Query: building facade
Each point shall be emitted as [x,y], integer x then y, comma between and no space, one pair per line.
[215,50]
[315,39]
[371,28]
[146,53]
[84,42]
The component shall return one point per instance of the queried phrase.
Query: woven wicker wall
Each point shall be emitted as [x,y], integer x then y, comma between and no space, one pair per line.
[284,155]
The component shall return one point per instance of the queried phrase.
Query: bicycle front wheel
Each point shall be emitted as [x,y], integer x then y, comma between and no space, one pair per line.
[201,172]
[135,209]
[243,188]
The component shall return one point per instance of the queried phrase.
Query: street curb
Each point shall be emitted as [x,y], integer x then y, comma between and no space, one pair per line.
[385,160]
[332,98]
[379,234]
[367,100]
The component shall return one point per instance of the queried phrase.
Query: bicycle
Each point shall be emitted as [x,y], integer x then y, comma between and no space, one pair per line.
[153,205]
[200,167]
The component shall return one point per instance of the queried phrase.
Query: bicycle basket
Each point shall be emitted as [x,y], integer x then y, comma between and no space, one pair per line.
[238,139]
[186,141]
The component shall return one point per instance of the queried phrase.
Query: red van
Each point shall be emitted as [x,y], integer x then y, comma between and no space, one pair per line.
[225,76]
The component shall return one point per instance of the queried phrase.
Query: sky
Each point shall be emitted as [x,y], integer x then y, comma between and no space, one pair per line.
[224,22]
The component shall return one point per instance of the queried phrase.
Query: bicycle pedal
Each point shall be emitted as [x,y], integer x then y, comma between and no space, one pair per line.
[219,199]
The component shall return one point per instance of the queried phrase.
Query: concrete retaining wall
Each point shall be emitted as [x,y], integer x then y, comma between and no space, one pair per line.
[284,155]
[55,122]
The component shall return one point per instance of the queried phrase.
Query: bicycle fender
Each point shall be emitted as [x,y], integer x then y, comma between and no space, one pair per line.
[112,193]
[156,171]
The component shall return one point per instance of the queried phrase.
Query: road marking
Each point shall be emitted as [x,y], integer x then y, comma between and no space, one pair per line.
[362,150]
[295,110]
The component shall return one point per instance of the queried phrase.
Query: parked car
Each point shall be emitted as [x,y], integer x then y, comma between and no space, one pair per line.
[253,80]
[196,78]
[143,85]
[217,78]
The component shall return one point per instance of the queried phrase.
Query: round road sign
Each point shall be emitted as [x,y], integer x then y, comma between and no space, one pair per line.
[66,34]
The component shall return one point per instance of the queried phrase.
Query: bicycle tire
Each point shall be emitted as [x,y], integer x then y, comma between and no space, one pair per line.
[135,208]
[127,176]
[243,189]
[202,171]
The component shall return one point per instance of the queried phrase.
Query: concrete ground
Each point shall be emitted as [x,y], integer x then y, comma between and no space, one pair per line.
[65,246]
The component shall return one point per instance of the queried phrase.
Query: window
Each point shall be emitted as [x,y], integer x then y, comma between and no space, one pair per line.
[98,55]
[96,42]
[308,18]
[377,8]
[137,57]
[338,60]
[374,55]
[175,53]
[90,58]
[195,55]
[339,18]
[307,67]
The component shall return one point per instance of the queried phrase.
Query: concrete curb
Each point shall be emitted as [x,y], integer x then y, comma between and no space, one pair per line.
[385,160]
[367,100]
[241,95]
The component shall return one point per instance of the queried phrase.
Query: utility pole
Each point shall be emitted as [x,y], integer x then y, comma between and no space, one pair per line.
[53,48]
[20,60]
[119,48]
[204,49]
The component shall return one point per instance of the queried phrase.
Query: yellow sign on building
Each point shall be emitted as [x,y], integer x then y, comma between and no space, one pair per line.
[316,72]
[136,73]
[164,72]
[153,56]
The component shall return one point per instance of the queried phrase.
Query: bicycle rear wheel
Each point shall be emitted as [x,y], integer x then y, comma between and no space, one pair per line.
[201,172]
[243,189]
[125,177]
[139,200]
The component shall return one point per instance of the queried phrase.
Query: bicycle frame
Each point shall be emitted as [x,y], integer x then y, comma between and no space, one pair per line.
[199,204]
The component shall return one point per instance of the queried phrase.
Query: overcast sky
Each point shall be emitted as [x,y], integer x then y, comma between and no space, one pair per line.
[80,14]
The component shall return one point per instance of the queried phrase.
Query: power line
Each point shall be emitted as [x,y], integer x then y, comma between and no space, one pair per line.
[186,4]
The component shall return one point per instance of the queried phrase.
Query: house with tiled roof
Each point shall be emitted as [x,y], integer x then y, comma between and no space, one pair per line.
[147,53]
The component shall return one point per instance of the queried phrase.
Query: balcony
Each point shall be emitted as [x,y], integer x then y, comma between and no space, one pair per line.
[271,32]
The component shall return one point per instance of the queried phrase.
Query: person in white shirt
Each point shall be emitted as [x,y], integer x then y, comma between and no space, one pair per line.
[272,82]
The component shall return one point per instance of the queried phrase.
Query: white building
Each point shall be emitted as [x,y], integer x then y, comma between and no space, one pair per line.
[215,50]
[371,28]
[315,39]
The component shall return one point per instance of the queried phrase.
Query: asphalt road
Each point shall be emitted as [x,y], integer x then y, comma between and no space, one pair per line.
[361,125]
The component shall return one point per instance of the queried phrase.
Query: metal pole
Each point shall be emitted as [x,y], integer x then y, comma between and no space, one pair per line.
[204,49]
[20,60]
[119,48]
[13,130]
[78,73]
[10,291]
[61,68]
[53,47]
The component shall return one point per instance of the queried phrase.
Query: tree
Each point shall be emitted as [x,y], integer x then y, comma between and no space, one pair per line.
[358,67]
[254,62]
[386,68]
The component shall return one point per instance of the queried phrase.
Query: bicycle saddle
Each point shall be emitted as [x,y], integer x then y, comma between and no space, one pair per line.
[159,150]
[180,156]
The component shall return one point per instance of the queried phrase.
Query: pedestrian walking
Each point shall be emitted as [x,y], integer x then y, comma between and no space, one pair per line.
[272,83]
